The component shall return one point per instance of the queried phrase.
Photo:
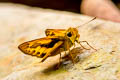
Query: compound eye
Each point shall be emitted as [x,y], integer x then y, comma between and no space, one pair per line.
[69,34]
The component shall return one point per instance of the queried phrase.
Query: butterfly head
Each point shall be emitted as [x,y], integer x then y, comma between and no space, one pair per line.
[72,34]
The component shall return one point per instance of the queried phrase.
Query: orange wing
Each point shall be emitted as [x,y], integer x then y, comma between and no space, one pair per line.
[42,47]
[55,32]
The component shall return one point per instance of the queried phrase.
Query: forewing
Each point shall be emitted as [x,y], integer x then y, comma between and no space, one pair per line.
[55,32]
[40,47]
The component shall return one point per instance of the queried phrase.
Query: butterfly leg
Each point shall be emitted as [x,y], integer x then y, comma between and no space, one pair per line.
[87,44]
[83,46]
[71,57]
[65,51]
[59,59]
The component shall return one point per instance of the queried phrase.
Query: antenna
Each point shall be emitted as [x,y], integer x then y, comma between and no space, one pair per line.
[86,22]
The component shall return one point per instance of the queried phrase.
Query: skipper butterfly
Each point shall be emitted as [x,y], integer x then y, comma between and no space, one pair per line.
[54,40]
